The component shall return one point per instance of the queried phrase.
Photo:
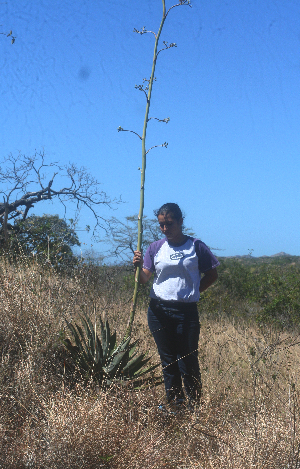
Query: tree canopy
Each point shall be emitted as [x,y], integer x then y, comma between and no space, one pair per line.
[46,236]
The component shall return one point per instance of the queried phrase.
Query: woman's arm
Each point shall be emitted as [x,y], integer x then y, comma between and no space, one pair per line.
[145,274]
[209,277]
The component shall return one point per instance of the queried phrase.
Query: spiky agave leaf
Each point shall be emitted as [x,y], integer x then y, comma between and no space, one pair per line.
[136,368]
[129,366]
[85,354]
[137,374]
[77,351]
[90,335]
[114,363]
[108,340]
[88,343]
[136,365]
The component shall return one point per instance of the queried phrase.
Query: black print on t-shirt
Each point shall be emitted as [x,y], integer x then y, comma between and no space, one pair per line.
[176,256]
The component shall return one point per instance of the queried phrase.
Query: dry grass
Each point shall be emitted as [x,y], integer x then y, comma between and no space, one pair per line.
[249,417]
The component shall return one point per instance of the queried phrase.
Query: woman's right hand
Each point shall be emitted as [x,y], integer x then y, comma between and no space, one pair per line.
[145,274]
[138,259]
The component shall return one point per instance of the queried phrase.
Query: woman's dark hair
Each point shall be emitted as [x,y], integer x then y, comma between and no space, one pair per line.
[169,208]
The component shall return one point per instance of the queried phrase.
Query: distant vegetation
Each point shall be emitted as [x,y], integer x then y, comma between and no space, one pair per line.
[267,289]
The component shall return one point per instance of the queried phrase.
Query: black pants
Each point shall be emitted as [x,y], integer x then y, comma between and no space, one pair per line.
[175,328]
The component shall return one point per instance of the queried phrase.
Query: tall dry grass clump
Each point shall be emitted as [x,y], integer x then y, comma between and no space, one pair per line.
[249,417]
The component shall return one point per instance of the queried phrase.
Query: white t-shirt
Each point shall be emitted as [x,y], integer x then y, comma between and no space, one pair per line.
[177,269]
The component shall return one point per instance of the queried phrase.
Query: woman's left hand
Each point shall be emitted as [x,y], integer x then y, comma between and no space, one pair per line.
[208,279]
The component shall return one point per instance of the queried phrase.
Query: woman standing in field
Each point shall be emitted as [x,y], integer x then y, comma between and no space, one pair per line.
[177,262]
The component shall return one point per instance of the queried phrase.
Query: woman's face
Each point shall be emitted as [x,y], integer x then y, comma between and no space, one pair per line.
[170,227]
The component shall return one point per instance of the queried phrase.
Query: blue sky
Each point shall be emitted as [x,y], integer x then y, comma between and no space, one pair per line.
[230,88]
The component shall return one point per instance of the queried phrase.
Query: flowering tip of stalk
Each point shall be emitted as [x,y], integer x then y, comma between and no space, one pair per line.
[143,31]
[120,129]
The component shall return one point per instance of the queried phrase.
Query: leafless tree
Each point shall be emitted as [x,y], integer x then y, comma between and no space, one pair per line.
[122,236]
[28,180]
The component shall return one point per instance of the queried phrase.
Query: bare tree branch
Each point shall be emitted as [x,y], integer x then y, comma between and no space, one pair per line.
[122,236]
[27,180]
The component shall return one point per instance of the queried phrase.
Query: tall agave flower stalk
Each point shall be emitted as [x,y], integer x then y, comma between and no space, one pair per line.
[147,89]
